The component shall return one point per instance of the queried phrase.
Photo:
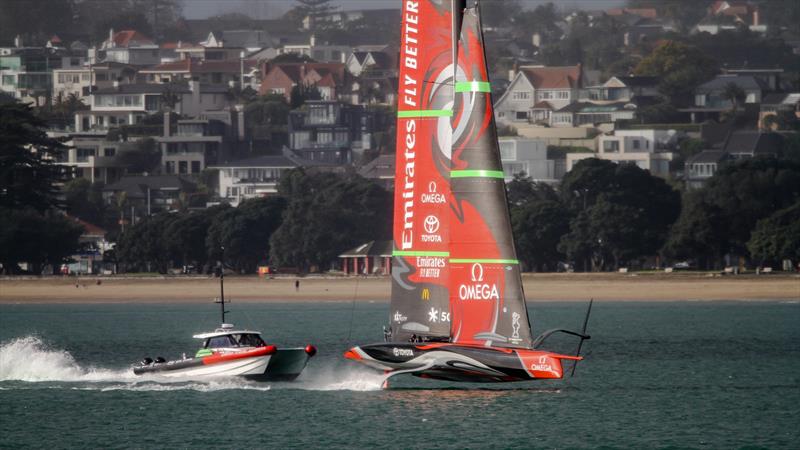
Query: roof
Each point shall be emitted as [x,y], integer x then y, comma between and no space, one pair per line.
[136,186]
[204,66]
[128,38]
[638,81]
[247,38]
[371,248]
[381,167]
[557,77]
[708,156]
[753,142]
[277,161]
[225,332]
[160,88]
[88,228]
[745,82]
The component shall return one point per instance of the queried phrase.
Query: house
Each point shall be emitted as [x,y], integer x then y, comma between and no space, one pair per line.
[127,47]
[26,73]
[647,149]
[332,131]
[206,71]
[195,145]
[372,61]
[371,258]
[252,177]
[589,114]
[380,170]
[774,104]
[710,97]
[621,88]
[281,78]
[535,91]
[526,156]
[324,53]
[127,104]
[149,194]
[729,15]
[94,158]
[81,80]
[93,243]
[753,143]
[702,166]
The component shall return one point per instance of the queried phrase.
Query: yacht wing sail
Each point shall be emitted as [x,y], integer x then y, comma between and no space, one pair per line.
[486,298]
[420,267]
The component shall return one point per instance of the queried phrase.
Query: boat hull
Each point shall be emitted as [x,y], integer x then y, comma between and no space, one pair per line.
[263,364]
[459,362]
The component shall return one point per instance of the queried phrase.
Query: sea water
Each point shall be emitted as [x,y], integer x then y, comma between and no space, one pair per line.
[683,374]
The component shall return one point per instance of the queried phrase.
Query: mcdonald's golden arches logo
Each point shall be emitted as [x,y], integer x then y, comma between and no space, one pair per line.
[426,294]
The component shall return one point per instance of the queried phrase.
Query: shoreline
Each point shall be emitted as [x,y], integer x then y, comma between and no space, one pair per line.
[538,288]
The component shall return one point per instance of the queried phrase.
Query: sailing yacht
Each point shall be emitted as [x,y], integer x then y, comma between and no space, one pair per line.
[457,309]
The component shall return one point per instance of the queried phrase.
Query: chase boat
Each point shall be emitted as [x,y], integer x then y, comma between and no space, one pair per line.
[228,351]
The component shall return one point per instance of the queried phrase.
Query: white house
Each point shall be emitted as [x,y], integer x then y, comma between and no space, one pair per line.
[528,156]
[252,177]
[648,149]
[536,91]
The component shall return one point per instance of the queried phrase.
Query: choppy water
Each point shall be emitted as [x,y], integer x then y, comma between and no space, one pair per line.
[701,375]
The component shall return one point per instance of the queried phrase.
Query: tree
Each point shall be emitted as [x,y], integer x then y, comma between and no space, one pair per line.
[699,233]
[777,237]
[622,213]
[144,157]
[245,233]
[28,173]
[186,235]
[84,200]
[327,214]
[316,11]
[734,94]
[144,247]
[538,226]
[37,238]
[680,67]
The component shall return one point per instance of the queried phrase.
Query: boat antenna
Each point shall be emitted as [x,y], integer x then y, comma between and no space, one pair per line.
[222,284]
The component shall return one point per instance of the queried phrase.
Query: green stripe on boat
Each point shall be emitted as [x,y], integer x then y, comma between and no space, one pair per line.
[425,113]
[473,86]
[476,174]
[484,261]
[419,253]
[203,352]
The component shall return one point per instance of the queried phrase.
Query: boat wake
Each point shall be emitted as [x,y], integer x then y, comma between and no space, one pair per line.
[30,360]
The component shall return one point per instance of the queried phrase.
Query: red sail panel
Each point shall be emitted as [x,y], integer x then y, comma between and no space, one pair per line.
[486,299]
[420,299]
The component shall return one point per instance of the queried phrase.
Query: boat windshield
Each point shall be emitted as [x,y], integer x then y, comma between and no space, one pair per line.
[250,340]
[221,342]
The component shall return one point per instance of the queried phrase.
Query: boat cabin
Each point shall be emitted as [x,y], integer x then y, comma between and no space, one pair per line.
[228,339]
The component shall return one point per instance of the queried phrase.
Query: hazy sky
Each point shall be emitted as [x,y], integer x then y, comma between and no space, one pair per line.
[263,9]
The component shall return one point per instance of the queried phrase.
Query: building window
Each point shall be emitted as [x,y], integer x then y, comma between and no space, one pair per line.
[546,95]
[183,167]
[522,115]
[195,166]
[636,144]
[521,95]
[84,154]
[611,146]
[169,167]
[563,95]
[109,151]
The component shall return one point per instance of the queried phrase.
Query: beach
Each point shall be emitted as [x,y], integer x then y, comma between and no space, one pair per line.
[538,287]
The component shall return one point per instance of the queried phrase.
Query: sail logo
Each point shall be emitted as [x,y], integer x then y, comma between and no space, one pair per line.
[435,315]
[430,266]
[515,316]
[426,294]
[399,318]
[478,290]
[431,225]
[432,196]
[542,366]
[402,351]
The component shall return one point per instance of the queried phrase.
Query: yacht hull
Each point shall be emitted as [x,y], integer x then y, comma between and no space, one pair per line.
[461,362]
[261,364]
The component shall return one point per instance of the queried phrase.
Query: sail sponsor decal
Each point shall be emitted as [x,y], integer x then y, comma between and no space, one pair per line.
[540,364]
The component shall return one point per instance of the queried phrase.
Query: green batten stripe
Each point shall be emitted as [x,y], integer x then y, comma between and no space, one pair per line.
[426,113]
[473,86]
[476,174]
[484,261]
[419,253]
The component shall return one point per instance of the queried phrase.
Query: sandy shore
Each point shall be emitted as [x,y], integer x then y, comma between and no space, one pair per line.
[538,287]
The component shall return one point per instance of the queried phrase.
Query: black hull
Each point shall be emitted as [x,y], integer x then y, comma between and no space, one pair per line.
[461,363]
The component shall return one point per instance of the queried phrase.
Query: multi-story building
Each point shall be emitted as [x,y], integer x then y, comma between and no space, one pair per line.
[127,104]
[94,158]
[528,157]
[648,149]
[281,78]
[80,80]
[26,73]
[127,47]
[195,144]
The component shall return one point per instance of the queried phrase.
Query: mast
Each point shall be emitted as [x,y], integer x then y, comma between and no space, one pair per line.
[420,304]
[222,285]
[487,303]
